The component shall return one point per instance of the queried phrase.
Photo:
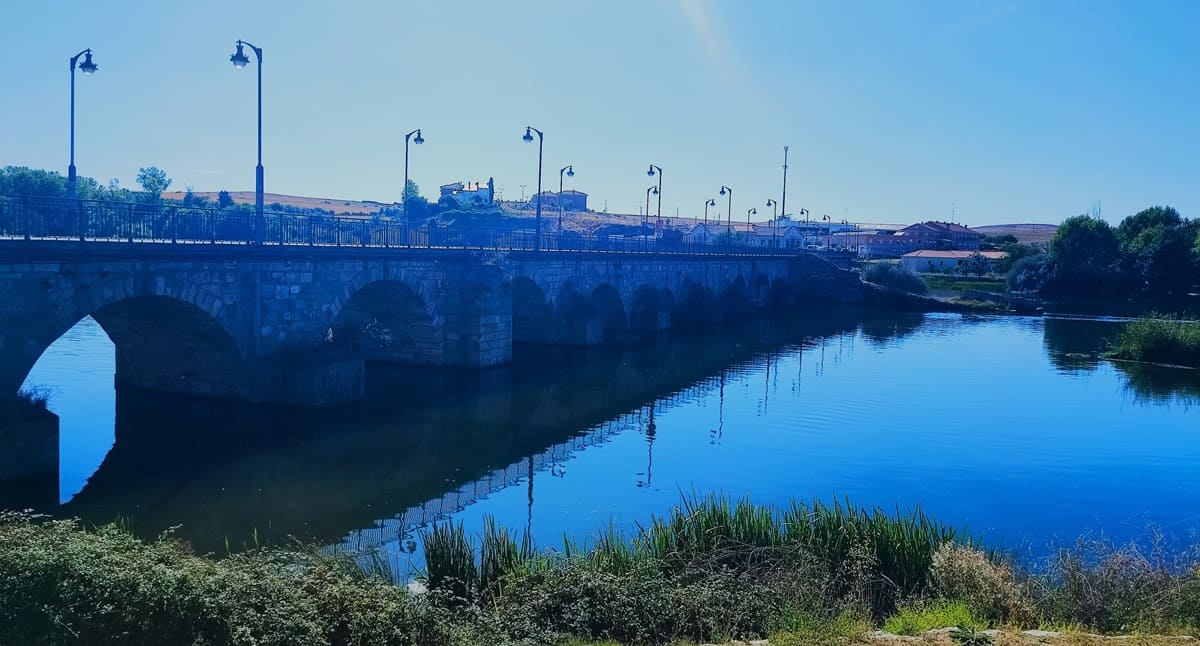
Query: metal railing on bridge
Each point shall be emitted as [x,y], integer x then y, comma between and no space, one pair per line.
[101,222]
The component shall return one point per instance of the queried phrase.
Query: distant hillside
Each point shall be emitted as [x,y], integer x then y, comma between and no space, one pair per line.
[1025,233]
[355,207]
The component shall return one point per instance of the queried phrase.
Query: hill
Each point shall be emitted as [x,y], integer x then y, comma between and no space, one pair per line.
[1025,233]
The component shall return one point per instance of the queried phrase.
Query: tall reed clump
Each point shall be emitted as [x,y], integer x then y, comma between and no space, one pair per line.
[900,545]
[1160,339]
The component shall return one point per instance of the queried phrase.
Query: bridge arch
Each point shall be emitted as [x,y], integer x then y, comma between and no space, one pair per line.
[532,313]
[650,311]
[168,335]
[389,320]
[610,310]
[697,305]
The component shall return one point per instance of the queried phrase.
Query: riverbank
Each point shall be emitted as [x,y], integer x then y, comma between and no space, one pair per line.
[711,571]
[1160,340]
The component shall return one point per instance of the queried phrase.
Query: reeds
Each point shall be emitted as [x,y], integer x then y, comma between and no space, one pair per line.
[709,533]
[1160,339]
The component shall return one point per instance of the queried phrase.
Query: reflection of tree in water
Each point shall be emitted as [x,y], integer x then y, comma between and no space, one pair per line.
[881,331]
[1159,384]
[1074,345]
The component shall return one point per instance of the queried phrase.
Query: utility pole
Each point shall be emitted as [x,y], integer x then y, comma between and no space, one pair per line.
[783,197]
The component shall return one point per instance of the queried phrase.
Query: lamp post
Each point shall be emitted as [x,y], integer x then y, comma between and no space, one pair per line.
[828,236]
[418,141]
[240,60]
[725,190]
[783,198]
[774,219]
[659,192]
[537,240]
[710,202]
[88,68]
[807,230]
[749,229]
[569,169]
[654,190]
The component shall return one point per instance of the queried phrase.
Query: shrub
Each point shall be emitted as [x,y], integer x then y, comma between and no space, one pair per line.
[895,277]
[63,585]
[920,616]
[989,589]
[1031,274]
[1160,339]
[1111,588]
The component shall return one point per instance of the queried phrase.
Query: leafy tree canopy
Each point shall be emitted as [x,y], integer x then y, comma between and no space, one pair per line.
[153,180]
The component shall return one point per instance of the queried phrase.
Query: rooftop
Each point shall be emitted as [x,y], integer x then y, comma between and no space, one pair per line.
[934,253]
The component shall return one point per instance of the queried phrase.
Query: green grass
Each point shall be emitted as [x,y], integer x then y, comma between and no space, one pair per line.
[712,570]
[1159,339]
[957,283]
[914,619]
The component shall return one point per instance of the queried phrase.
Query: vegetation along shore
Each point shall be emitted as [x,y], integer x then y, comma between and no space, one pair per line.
[711,571]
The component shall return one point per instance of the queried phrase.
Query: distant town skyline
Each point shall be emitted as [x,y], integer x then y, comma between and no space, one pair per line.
[982,112]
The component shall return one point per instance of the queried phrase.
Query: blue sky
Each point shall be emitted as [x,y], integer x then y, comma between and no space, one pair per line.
[1010,111]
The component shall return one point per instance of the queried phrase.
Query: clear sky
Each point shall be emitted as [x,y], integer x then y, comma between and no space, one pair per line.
[1010,111]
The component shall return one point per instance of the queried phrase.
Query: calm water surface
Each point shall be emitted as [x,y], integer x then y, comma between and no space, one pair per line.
[1008,425]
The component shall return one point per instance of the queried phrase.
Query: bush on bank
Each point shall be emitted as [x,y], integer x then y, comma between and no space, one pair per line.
[1160,339]
[710,571]
[895,277]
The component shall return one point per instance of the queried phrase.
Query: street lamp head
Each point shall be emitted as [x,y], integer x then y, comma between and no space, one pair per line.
[570,171]
[419,139]
[752,212]
[711,202]
[528,135]
[87,66]
[239,58]
[771,201]
[722,190]
[650,172]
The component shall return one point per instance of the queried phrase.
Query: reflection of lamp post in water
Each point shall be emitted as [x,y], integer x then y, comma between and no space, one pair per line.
[651,430]
[529,510]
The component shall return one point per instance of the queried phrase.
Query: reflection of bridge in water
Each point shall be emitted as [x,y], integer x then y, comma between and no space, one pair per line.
[367,475]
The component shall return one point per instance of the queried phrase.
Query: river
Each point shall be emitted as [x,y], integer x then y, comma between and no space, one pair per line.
[1010,426]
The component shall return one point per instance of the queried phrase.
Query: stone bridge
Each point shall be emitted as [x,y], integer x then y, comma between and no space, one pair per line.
[295,326]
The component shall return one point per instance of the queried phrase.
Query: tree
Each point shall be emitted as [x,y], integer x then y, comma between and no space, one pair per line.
[1085,254]
[224,199]
[976,265]
[1160,261]
[1015,252]
[411,191]
[1154,216]
[22,180]
[154,181]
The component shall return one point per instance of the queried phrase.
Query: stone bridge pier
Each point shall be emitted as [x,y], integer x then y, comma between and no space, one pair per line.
[295,326]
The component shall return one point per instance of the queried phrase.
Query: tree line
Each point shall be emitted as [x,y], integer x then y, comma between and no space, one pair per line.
[1154,253]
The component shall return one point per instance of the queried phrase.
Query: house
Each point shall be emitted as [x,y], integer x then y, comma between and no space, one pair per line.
[938,260]
[568,200]
[470,192]
[946,236]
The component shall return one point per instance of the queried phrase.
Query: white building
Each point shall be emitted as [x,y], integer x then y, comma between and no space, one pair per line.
[935,260]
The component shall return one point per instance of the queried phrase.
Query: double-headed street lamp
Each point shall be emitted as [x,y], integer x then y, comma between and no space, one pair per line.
[659,191]
[88,68]
[654,190]
[774,218]
[537,240]
[418,141]
[729,214]
[240,60]
[569,169]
